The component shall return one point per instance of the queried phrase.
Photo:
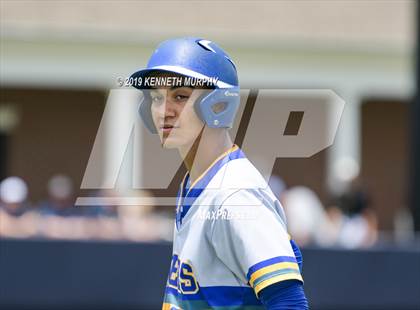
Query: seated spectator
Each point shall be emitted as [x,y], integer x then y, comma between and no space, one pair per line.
[13,195]
[17,220]
[305,214]
[360,227]
[60,200]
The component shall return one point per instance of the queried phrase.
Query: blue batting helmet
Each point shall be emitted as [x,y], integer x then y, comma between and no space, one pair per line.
[198,59]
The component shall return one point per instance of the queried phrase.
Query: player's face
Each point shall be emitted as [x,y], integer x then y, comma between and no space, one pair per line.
[174,117]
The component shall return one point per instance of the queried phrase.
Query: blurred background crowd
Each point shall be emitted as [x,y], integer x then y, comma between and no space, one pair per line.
[60,63]
[56,216]
[347,221]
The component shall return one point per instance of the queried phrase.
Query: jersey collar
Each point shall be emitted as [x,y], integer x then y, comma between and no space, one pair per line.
[187,197]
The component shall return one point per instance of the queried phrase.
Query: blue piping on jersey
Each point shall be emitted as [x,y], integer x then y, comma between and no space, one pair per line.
[186,197]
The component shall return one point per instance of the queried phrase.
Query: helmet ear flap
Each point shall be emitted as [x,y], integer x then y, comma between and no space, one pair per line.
[218,108]
[146,112]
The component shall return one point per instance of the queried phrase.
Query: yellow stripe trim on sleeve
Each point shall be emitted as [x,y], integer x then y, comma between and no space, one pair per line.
[271,268]
[167,306]
[279,278]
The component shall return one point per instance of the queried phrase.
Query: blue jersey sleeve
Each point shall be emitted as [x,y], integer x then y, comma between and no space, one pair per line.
[284,295]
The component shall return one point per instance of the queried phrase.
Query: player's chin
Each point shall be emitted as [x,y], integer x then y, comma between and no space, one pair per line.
[169,142]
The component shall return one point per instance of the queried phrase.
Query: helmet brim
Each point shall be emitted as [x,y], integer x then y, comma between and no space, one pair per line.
[140,76]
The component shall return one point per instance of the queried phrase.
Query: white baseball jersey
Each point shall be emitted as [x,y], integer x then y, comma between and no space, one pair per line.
[230,239]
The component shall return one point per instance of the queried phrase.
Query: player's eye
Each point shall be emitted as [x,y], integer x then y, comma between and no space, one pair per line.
[181,98]
[157,99]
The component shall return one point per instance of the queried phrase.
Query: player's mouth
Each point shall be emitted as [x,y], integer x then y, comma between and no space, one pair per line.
[167,128]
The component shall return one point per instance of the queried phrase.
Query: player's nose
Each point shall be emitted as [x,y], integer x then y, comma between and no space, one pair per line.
[166,109]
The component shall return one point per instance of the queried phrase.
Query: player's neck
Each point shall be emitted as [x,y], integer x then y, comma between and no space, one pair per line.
[209,145]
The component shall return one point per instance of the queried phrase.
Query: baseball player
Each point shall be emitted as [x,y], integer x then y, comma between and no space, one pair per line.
[231,247]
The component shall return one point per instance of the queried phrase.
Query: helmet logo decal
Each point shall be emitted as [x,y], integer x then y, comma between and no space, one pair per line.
[206,45]
[230,94]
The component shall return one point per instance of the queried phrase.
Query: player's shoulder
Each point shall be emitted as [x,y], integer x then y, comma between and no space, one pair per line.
[235,179]
[242,184]
[240,174]
[237,184]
